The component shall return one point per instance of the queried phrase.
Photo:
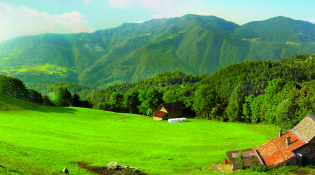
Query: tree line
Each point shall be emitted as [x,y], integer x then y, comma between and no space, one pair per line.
[14,87]
[278,92]
[250,92]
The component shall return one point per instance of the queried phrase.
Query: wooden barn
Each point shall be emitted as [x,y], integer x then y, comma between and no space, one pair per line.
[291,148]
[168,110]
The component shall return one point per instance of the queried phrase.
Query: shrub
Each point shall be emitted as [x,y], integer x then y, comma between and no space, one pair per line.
[240,162]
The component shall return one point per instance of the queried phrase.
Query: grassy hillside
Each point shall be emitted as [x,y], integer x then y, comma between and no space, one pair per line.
[191,44]
[43,140]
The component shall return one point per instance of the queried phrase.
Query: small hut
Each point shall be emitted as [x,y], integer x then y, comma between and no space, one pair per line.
[168,110]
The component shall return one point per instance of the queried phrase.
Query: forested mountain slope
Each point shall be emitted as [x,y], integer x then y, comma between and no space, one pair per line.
[133,51]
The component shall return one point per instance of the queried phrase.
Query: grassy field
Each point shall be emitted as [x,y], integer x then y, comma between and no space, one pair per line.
[39,139]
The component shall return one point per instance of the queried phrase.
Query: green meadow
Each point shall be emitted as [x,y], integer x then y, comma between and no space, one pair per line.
[38,139]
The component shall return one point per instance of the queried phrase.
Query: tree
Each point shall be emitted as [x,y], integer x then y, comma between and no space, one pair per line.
[75,100]
[235,107]
[150,100]
[276,93]
[131,101]
[13,87]
[47,101]
[247,113]
[63,97]
[35,96]
[104,106]
[204,100]
[116,100]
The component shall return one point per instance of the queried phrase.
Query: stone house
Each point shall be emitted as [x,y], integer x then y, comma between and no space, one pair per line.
[291,148]
[168,110]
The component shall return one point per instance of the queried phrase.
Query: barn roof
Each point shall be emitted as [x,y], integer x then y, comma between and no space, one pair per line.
[276,151]
[305,128]
[159,114]
[172,106]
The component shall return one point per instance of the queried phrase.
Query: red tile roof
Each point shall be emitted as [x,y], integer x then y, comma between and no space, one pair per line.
[172,106]
[159,114]
[275,151]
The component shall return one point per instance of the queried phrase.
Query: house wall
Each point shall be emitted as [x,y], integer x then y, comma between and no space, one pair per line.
[307,151]
[157,118]
[290,162]
[175,114]
[162,109]
[311,146]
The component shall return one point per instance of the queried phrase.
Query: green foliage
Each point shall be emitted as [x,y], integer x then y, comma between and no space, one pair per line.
[235,108]
[150,100]
[260,168]
[75,100]
[205,99]
[62,98]
[13,87]
[35,96]
[51,89]
[117,100]
[239,161]
[131,101]
[47,101]
[247,113]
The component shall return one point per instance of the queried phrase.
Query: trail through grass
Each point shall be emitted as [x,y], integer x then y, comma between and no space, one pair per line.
[46,139]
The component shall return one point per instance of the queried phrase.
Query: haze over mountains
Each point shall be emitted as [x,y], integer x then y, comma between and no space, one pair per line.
[133,51]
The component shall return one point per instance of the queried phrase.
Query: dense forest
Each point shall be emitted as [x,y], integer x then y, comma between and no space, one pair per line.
[274,92]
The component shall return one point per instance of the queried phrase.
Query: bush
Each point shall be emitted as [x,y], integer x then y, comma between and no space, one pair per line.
[240,162]
[259,168]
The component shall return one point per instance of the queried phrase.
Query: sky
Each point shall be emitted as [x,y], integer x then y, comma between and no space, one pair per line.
[33,17]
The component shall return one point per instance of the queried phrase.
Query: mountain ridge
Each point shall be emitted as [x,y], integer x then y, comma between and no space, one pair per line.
[191,44]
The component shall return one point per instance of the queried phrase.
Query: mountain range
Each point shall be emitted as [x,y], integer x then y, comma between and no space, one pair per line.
[134,51]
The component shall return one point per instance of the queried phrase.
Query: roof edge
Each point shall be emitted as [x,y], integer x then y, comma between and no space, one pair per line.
[258,156]
[299,136]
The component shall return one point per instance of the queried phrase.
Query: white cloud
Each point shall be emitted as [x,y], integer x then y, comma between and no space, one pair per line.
[136,22]
[157,16]
[120,3]
[18,21]
[87,2]
[312,20]
[164,8]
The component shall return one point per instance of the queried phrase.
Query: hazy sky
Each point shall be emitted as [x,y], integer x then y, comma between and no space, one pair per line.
[31,17]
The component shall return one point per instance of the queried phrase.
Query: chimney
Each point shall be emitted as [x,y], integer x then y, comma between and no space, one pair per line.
[280,132]
[288,140]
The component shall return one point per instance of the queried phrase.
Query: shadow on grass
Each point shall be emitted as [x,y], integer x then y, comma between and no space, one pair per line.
[12,104]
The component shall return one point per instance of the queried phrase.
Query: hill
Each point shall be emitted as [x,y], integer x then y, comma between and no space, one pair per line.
[134,51]
[45,140]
